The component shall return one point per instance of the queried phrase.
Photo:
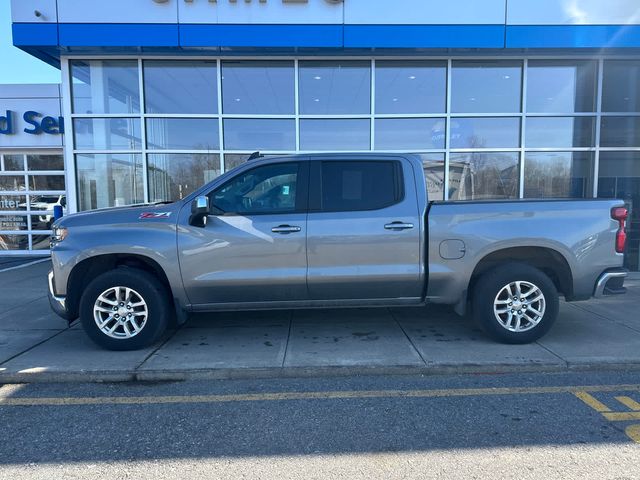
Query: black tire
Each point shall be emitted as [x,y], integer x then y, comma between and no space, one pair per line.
[491,284]
[153,293]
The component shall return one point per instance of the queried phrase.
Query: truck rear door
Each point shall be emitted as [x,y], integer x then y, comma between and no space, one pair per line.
[363,229]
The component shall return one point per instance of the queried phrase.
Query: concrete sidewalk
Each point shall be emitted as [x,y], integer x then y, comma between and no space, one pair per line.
[36,345]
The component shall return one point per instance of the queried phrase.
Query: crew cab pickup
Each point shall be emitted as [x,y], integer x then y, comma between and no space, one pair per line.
[331,230]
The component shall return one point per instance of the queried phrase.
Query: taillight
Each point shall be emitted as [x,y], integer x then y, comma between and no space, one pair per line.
[620,214]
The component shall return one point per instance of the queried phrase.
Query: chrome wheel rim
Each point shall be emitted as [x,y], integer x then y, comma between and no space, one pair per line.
[120,312]
[519,306]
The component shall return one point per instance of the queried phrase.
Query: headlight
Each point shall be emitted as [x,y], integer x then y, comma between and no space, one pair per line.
[58,235]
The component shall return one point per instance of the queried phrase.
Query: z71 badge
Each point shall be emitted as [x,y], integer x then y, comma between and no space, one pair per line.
[146,215]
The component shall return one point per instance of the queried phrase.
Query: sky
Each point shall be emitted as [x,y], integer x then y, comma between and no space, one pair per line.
[17,66]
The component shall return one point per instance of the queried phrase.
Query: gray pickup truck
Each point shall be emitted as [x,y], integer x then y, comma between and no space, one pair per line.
[331,230]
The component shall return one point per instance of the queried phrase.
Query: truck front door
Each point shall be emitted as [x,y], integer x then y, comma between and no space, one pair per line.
[253,246]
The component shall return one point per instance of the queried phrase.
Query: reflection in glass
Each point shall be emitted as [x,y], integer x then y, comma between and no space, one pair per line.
[433,167]
[13,162]
[476,176]
[334,87]
[342,134]
[486,87]
[13,242]
[180,86]
[105,86]
[264,87]
[619,177]
[410,86]
[45,162]
[259,134]
[558,174]
[46,182]
[621,86]
[560,86]
[485,132]
[548,132]
[12,183]
[232,160]
[409,133]
[173,176]
[13,222]
[109,180]
[183,133]
[620,131]
[107,133]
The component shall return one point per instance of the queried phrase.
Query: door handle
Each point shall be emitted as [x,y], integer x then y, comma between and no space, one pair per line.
[284,229]
[398,226]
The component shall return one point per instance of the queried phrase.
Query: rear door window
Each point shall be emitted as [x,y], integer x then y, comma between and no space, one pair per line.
[360,185]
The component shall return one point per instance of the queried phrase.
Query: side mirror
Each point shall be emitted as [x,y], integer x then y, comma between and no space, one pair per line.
[63,201]
[199,211]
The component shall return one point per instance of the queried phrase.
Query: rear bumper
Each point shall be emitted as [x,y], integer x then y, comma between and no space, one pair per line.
[611,282]
[58,304]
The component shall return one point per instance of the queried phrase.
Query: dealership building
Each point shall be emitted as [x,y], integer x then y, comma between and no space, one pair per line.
[502,98]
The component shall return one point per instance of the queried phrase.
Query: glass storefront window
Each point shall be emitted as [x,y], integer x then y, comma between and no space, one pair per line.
[621,86]
[477,176]
[13,183]
[108,180]
[410,86]
[409,133]
[45,162]
[335,134]
[264,87]
[259,134]
[182,133]
[105,86]
[13,162]
[558,174]
[620,131]
[173,176]
[619,177]
[13,222]
[486,86]
[559,132]
[13,242]
[180,86]
[334,87]
[433,167]
[46,182]
[485,132]
[559,86]
[106,133]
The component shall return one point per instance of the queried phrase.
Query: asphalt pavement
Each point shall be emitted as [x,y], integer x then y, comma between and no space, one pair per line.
[555,425]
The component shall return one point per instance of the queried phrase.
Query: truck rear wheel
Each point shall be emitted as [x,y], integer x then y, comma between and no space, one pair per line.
[515,303]
[125,309]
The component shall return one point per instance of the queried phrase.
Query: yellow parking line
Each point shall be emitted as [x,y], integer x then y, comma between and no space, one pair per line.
[597,405]
[630,403]
[621,416]
[633,432]
[580,391]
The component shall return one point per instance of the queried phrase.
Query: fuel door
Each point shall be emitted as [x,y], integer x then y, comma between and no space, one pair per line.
[452,249]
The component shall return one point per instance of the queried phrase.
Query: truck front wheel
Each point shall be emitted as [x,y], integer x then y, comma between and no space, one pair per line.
[515,303]
[125,309]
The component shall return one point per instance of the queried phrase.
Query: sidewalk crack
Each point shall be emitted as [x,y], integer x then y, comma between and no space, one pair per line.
[406,335]
[286,347]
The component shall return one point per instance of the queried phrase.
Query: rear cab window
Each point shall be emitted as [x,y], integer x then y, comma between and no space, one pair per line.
[357,185]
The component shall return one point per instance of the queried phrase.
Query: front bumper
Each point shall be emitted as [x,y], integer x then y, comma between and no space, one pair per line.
[58,304]
[611,282]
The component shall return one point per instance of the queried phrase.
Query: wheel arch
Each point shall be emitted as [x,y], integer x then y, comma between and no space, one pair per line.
[91,267]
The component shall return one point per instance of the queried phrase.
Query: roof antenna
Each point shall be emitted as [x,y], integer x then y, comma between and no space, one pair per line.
[254,155]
